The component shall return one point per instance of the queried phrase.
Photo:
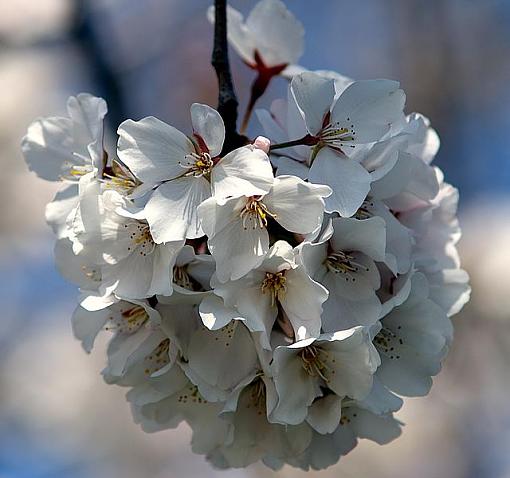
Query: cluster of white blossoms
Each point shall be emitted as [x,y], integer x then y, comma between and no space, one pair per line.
[280,298]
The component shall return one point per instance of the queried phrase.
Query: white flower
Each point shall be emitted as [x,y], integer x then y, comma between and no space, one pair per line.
[436,229]
[399,239]
[180,172]
[237,228]
[343,261]
[278,287]
[192,272]
[413,340]
[66,149]
[355,422]
[166,400]
[132,265]
[270,39]
[96,313]
[281,318]
[254,437]
[341,363]
[75,268]
[363,113]
[235,358]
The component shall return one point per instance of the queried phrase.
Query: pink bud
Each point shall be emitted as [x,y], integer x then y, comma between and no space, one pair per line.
[261,142]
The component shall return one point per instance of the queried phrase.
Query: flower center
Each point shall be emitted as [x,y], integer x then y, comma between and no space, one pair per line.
[191,395]
[363,212]
[74,172]
[129,321]
[342,263]
[197,164]
[386,341]
[183,279]
[158,358]
[335,135]
[141,238]
[313,363]
[274,284]
[257,396]
[255,212]
[119,178]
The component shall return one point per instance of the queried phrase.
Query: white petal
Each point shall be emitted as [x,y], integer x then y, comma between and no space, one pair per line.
[252,304]
[172,209]
[298,206]
[344,309]
[313,256]
[302,302]
[238,35]
[367,236]
[380,400]
[422,333]
[215,315]
[296,388]
[245,171]
[350,362]
[233,353]
[236,249]
[369,107]
[208,124]
[48,148]
[76,269]
[278,35]
[325,413]
[314,96]
[349,181]
[381,429]
[450,289]
[87,113]
[58,210]
[164,261]
[288,166]
[86,325]
[152,149]
[272,129]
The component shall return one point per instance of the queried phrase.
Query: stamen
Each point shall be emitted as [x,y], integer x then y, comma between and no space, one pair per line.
[182,278]
[197,164]
[274,284]
[256,212]
[386,341]
[129,321]
[342,263]
[158,358]
[75,172]
[313,363]
[363,212]
[257,395]
[141,238]
[191,394]
[336,135]
[119,178]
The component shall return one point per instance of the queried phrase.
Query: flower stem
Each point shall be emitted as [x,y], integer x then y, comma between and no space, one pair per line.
[227,100]
[307,140]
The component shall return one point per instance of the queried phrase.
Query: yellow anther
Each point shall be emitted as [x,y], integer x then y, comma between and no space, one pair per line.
[313,364]
[256,212]
[274,284]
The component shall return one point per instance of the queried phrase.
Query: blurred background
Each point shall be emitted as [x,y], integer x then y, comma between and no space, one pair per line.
[57,417]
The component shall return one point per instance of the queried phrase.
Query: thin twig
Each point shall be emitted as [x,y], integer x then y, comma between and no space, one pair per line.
[307,140]
[227,100]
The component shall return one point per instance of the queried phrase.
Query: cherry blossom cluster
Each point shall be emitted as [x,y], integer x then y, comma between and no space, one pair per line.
[281,298]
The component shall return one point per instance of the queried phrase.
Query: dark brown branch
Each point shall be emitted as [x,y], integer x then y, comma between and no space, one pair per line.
[227,100]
